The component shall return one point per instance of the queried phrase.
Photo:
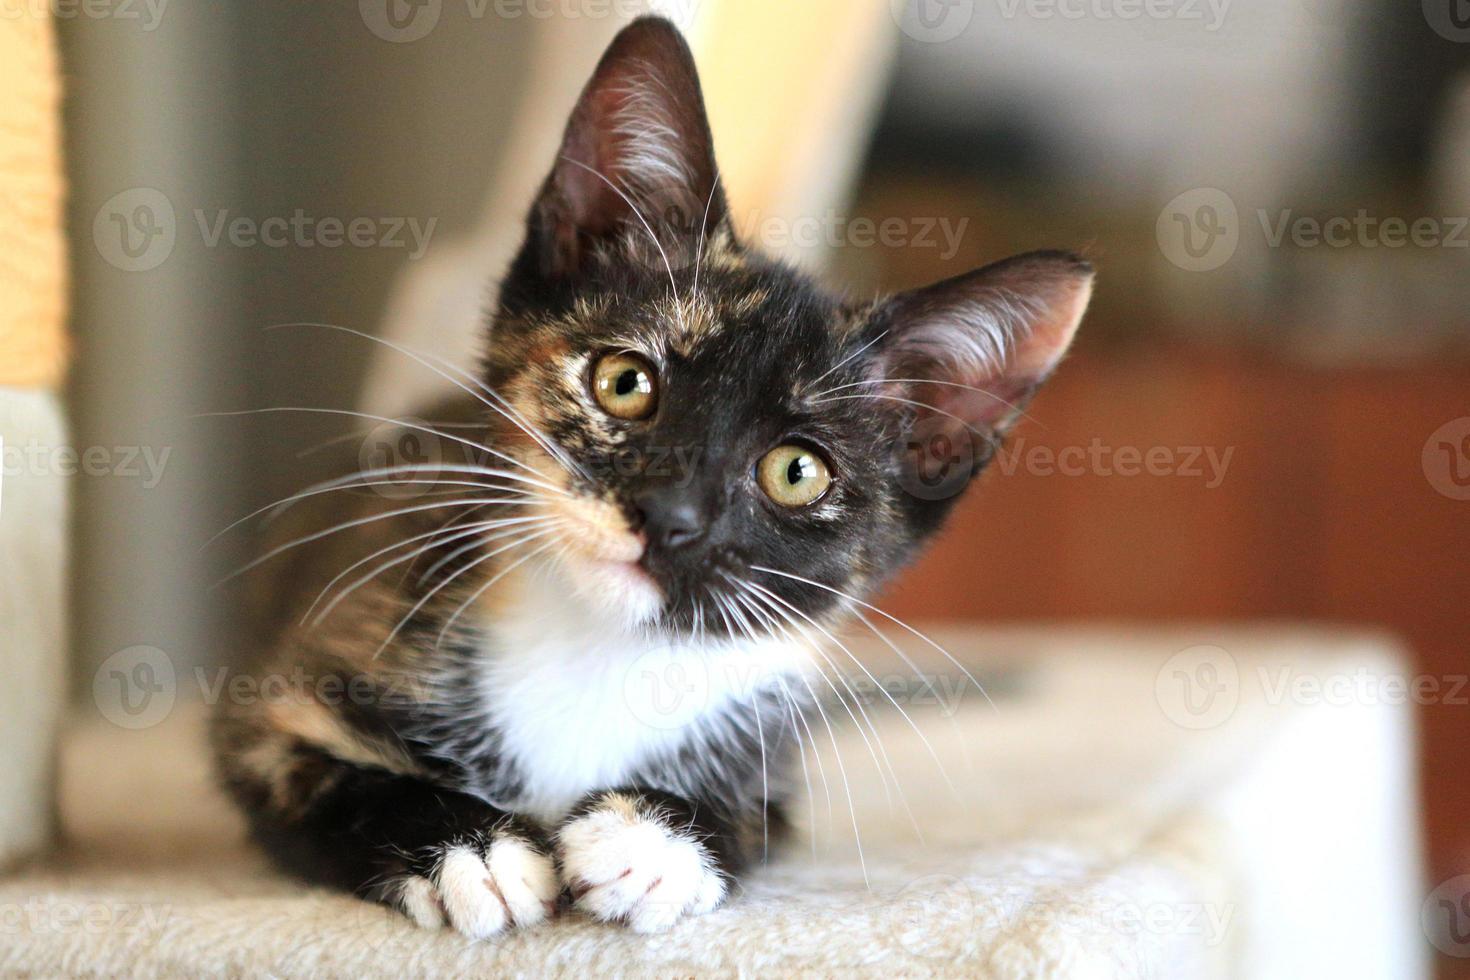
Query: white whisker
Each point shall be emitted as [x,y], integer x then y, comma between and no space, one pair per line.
[836,752]
[897,785]
[673,284]
[849,357]
[359,522]
[516,524]
[533,535]
[500,405]
[478,447]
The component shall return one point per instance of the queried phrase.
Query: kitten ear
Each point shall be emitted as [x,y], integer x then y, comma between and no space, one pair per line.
[637,157]
[975,348]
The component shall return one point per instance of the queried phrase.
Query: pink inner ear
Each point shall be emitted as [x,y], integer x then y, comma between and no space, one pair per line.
[1051,334]
[638,140]
[976,347]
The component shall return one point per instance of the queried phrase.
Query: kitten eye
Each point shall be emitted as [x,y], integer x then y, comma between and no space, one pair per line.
[793,476]
[624,386]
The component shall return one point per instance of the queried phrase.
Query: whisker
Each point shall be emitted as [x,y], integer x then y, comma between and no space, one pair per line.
[673,285]
[339,485]
[516,524]
[749,632]
[358,522]
[311,410]
[442,529]
[462,549]
[989,438]
[482,589]
[703,227]
[897,784]
[836,752]
[913,669]
[894,619]
[350,436]
[891,700]
[500,405]
[930,381]
[849,357]
[435,591]
[801,748]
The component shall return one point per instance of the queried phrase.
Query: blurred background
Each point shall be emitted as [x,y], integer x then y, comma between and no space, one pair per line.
[1267,417]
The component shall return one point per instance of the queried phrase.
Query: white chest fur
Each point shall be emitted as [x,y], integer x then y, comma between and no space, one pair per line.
[581,702]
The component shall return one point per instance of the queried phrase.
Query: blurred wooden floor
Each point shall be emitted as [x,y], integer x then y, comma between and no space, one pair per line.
[1324,513]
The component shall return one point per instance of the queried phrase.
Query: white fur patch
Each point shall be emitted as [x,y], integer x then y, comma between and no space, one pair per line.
[628,868]
[482,895]
[581,700]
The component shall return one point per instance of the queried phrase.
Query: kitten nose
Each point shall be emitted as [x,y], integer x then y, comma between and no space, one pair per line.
[670,517]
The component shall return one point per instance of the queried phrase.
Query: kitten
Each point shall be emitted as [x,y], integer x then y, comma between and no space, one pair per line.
[680,458]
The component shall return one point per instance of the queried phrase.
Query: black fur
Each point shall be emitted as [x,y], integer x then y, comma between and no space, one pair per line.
[630,248]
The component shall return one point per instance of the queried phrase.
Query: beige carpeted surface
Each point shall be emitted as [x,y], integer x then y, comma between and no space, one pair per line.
[1107,827]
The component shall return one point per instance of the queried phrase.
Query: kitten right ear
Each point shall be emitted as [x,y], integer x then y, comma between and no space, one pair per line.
[637,158]
[969,352]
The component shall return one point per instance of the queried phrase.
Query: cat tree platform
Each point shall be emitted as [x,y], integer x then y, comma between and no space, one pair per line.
[1130,810]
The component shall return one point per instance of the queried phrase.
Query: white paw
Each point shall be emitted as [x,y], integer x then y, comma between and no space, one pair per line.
[624,865]
[480,893]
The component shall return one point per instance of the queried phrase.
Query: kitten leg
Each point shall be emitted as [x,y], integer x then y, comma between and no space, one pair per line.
[647,858]
[440,856]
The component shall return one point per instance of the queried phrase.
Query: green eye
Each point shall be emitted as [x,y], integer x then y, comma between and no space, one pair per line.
[793,476]
[624,386]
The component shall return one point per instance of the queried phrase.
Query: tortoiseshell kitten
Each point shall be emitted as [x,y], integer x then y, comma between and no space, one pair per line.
[683,455]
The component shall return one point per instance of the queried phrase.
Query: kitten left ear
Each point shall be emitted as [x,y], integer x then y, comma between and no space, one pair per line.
[637,157]
[975,348]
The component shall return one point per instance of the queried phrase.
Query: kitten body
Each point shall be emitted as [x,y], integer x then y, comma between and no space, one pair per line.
[579,660]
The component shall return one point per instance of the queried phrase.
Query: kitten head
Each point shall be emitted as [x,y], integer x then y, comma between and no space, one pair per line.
[732,440]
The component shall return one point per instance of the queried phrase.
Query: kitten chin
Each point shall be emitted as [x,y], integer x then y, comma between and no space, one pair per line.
[597,562]
[619,591]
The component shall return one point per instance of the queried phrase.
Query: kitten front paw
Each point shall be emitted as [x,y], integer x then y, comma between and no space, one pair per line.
[482,887]
[625,863]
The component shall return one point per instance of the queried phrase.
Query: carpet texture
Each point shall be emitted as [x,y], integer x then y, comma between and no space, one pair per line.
[1112,823]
